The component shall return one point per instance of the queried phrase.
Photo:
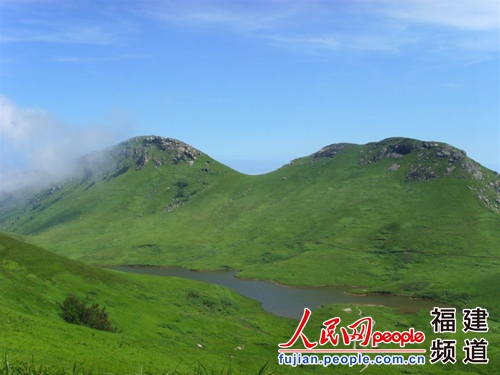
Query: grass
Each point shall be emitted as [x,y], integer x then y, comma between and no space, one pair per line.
[31,367]
[162,326]
[317,221]
[168,325]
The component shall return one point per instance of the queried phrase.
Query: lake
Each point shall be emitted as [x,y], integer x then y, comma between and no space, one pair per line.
[281,300]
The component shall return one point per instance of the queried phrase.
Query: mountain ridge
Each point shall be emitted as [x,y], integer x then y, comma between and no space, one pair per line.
[433,160]
[140,149]
[412,215]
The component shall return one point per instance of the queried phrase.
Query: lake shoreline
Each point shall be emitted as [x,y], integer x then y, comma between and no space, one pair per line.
[281,299]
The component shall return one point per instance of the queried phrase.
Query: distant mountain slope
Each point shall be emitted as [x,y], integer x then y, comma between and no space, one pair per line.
[400,215]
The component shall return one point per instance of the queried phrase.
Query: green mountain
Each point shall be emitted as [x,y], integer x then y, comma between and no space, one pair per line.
[401,216]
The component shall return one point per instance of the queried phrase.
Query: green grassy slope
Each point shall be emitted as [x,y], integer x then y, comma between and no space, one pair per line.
[400,216]
[164,320]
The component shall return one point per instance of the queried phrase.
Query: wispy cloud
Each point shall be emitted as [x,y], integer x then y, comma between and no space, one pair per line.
[303,43]
[62,22]
[90,60]
[337,43]
[39,150]
[62,33]
[467,15]
[304,26]
[316,26]
[238,16]
[87,34]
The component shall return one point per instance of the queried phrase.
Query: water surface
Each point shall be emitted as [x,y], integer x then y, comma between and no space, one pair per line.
[281,300]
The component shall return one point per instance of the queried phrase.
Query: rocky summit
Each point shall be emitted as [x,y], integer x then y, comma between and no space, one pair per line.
[399,215]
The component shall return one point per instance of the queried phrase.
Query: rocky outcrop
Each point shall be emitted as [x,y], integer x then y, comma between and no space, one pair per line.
[179,151]
[433,160]
[331,151]
[159,150]
[391,148]
[437,160]
[426,161]
[394,167]
[142,161]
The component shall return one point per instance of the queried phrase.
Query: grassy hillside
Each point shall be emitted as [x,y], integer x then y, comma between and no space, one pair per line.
[167,325]
[401,216]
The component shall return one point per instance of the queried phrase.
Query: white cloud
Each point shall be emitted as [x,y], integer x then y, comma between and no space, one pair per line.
[38,150]
[238,15]
[85,34]
[303,44]
[61,33]
[62,22]
[318,26]
[89,60]
[462,14]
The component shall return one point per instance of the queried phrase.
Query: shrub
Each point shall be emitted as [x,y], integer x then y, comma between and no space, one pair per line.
[75,311]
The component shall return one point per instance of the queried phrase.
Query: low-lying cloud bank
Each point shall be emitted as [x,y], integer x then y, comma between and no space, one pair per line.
[37,150]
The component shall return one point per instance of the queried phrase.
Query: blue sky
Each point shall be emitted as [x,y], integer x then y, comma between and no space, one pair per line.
[254,84]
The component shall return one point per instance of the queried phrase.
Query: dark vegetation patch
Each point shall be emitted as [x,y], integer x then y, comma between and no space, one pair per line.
[280,254]
[76,311]
[118,172]
[416,287]
[89,186]
[181,185]
[220,304]
[150,247]
[181,195]
[59,218]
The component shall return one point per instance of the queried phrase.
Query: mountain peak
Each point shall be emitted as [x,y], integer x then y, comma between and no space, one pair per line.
[415,161]
[141,150]
[332,150]
[427,160]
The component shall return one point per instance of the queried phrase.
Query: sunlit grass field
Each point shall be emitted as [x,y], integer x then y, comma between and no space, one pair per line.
[318,221]
[168,325]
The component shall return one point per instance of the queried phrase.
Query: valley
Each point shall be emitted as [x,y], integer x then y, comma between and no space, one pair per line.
[400,216]
[285,300]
